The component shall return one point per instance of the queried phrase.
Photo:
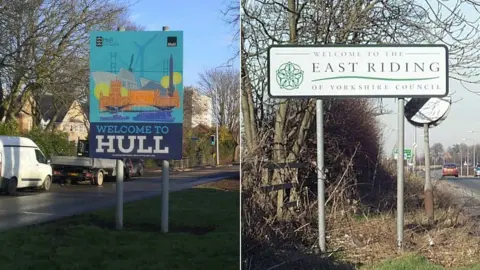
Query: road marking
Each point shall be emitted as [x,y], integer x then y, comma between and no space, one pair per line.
[27,212]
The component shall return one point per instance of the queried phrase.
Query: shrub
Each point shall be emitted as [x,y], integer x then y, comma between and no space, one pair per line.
[356,180]
[202,146]
[50,142]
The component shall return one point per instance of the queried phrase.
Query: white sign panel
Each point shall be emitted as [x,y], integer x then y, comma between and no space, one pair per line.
[358,71]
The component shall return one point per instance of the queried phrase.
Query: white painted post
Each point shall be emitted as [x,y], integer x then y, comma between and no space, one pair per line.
[119,185]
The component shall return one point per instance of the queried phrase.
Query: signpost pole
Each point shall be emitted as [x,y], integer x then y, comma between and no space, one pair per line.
[165,184]
[217,142]
[461,162]
[320,176]
[291,76]
[165,193]
[414,151]
[161,133]
[475,155]
[119,185]
[428,189]
[400,171]
[119,191]
[467,162]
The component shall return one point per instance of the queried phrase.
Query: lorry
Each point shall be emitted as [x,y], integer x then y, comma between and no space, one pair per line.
[72,169]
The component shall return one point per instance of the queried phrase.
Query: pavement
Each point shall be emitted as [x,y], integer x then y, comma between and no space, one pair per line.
[466,190]
[34,206]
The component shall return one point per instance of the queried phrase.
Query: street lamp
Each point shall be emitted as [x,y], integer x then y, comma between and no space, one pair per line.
[468,139]
[474,148]
[216,129]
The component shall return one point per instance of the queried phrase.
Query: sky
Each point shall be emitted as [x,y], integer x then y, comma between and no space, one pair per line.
[462,118]
[208,44]
[207,37]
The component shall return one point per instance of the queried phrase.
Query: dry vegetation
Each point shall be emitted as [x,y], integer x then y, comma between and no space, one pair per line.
[453,240]
[360,185]
[361,200]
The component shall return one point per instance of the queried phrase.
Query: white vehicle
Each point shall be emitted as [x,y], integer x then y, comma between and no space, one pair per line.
[22,165]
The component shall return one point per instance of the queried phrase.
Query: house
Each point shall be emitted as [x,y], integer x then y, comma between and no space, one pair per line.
[197,109]
[202,129]
[73,119]
[70,119]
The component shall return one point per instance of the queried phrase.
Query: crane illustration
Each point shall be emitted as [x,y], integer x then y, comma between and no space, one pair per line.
[131,62]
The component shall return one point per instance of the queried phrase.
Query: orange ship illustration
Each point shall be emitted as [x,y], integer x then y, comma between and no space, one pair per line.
[157,99]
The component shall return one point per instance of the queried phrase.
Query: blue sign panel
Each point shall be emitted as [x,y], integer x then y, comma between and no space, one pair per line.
[136,94]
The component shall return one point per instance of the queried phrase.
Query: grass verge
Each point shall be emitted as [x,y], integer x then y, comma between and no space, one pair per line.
[412,261]
[452,240]
[204,234]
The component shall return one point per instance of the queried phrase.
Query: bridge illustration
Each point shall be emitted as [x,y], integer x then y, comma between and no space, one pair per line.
[152,98]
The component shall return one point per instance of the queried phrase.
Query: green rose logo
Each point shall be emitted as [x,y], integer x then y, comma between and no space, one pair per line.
[289,76]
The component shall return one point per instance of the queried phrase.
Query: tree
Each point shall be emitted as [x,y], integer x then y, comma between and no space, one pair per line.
[280,129]
[454,151]
[437,151]
[44,49]
[231,15]
[223,86]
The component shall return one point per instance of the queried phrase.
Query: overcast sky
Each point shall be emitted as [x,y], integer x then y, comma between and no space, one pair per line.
[463,117]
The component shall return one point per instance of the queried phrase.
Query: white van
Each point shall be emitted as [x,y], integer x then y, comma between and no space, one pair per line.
[22,165]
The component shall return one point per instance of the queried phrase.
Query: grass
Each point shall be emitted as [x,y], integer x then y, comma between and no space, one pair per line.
[204,234]
[411,261]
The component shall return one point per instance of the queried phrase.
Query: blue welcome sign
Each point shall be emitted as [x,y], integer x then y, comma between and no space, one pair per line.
[136,94]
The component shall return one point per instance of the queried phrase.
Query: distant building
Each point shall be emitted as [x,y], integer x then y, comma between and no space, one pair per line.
[197,109]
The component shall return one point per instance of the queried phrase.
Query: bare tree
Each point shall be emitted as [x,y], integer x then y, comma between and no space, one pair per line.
[45,49]
[231,15]
[437,151]
[266,22]
[223,86]
[279,130]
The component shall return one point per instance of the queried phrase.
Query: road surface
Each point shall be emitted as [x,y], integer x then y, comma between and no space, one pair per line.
[466,190]
[31,207]
[470,185]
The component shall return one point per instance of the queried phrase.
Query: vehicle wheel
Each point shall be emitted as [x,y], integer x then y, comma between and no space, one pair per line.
[140,170]
[11,188]
[99,178]
[47,183]
[127,175]
[68,181]
[456,175]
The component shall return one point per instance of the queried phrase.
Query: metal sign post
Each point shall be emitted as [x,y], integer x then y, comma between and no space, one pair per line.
[400,172]
[428,188]
[136,108]
[165,195]
[119,193]
[357,71]
[427,113]
[119,185]
[320,176]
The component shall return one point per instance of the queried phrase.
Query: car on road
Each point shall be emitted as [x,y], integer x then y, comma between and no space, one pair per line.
[476,170]
[450,170]
[135,167]
[23,165]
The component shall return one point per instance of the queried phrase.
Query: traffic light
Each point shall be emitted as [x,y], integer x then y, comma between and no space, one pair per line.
[212,139]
